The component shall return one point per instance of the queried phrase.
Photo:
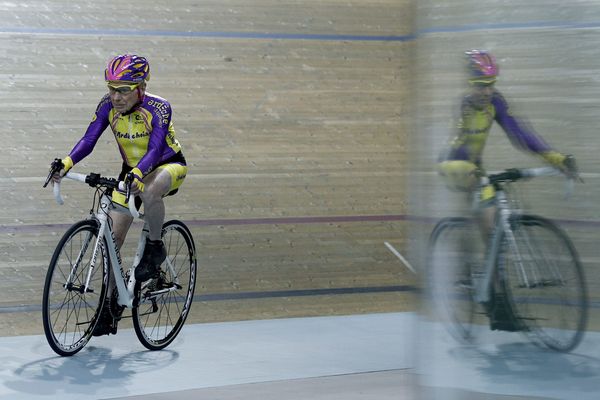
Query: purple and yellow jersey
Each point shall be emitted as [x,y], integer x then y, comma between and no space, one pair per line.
[474,128]
[145,135]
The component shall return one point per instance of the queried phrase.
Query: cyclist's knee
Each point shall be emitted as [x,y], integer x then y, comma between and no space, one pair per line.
[459,175]
[153,193]
[120,227]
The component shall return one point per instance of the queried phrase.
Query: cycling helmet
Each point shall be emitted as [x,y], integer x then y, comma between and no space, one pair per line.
[128,68]
[482,66]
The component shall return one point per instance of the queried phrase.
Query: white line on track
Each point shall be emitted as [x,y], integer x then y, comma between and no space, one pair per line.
[397,254]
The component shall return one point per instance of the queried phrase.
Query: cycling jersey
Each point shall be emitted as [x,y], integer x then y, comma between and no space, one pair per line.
[145,135]
[475,124]
[461,165]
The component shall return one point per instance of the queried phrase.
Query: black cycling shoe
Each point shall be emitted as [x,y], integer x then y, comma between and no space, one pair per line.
[149,266]
[109,316]
[106,323]
[502,318]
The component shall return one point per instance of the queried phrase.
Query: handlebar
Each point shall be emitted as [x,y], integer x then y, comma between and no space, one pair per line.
[95,180]
[515,174]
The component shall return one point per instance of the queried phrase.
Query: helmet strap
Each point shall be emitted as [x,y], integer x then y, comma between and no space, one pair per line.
[141,93]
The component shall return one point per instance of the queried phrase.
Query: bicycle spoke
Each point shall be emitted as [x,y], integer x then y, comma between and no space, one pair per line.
[68,308]
[548,295]
[159,317]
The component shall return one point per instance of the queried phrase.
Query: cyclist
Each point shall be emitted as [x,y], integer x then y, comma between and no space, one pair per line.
[461,163]
[152,159]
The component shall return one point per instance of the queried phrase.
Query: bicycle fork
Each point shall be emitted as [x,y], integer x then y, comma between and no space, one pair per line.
[69,283]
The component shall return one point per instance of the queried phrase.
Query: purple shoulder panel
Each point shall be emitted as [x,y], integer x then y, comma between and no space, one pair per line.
[517,130]
[160,109]
[99,123]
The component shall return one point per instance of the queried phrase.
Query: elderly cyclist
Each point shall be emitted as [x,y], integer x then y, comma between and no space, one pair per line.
[142,127]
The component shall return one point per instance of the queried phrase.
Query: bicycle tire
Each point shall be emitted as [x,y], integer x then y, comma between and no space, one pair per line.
[69,315]
[159,317]
[548,295]
[450,283]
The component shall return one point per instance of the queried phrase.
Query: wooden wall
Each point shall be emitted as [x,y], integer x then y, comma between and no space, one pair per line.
[294,117]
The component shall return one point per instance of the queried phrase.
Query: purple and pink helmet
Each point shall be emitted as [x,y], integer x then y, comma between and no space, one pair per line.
[128,68]
[482,66]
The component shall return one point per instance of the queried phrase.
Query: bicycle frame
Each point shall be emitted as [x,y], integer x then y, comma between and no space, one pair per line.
[502,225]
[502,230]
[125,285]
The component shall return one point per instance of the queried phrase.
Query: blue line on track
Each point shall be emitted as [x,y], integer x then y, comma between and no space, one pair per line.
[222,35]
[561,25]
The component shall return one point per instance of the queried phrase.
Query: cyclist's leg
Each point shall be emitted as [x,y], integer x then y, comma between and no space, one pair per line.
[486,213]
[486,218]
[159,183]
[120,225]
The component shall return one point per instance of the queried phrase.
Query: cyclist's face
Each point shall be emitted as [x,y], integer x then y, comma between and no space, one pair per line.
[124,98]
[482,94]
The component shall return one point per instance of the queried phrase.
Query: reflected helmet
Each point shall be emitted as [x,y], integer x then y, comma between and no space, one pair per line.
[127,67]
[482,66]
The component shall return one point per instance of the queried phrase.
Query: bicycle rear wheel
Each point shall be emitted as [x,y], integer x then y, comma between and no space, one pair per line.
[164,303]
[451,286]
[545,283]
[69,308]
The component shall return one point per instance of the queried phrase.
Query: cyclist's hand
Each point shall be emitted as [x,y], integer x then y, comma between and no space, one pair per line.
[569,167]
[58,169]
[135,179]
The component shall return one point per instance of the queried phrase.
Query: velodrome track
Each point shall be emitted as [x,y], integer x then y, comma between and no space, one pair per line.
[312,129]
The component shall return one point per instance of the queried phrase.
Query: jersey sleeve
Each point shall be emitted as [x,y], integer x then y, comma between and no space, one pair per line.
[520,133]
[161,119]
[99,123]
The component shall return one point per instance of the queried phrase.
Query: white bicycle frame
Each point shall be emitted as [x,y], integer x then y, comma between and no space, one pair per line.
[502,225]
[125,285]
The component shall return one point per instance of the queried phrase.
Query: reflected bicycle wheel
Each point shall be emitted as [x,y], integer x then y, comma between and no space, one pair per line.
[164,303]
[451,287]
[545,283]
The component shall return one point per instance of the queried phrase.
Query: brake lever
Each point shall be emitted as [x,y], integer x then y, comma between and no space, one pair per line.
[55,167]
[128,182]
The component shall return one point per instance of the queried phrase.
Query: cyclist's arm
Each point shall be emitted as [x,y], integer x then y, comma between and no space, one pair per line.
[522,135]
[99,123]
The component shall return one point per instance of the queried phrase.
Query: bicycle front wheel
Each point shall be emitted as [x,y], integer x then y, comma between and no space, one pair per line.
[545,283]
[451,256]
[164,303]
[74,292]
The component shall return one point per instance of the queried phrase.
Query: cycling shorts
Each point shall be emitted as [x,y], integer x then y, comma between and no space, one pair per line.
[175,166]
[463,176]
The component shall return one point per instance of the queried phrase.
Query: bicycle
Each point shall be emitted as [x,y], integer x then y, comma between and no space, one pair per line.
[530,279]
[76,285]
